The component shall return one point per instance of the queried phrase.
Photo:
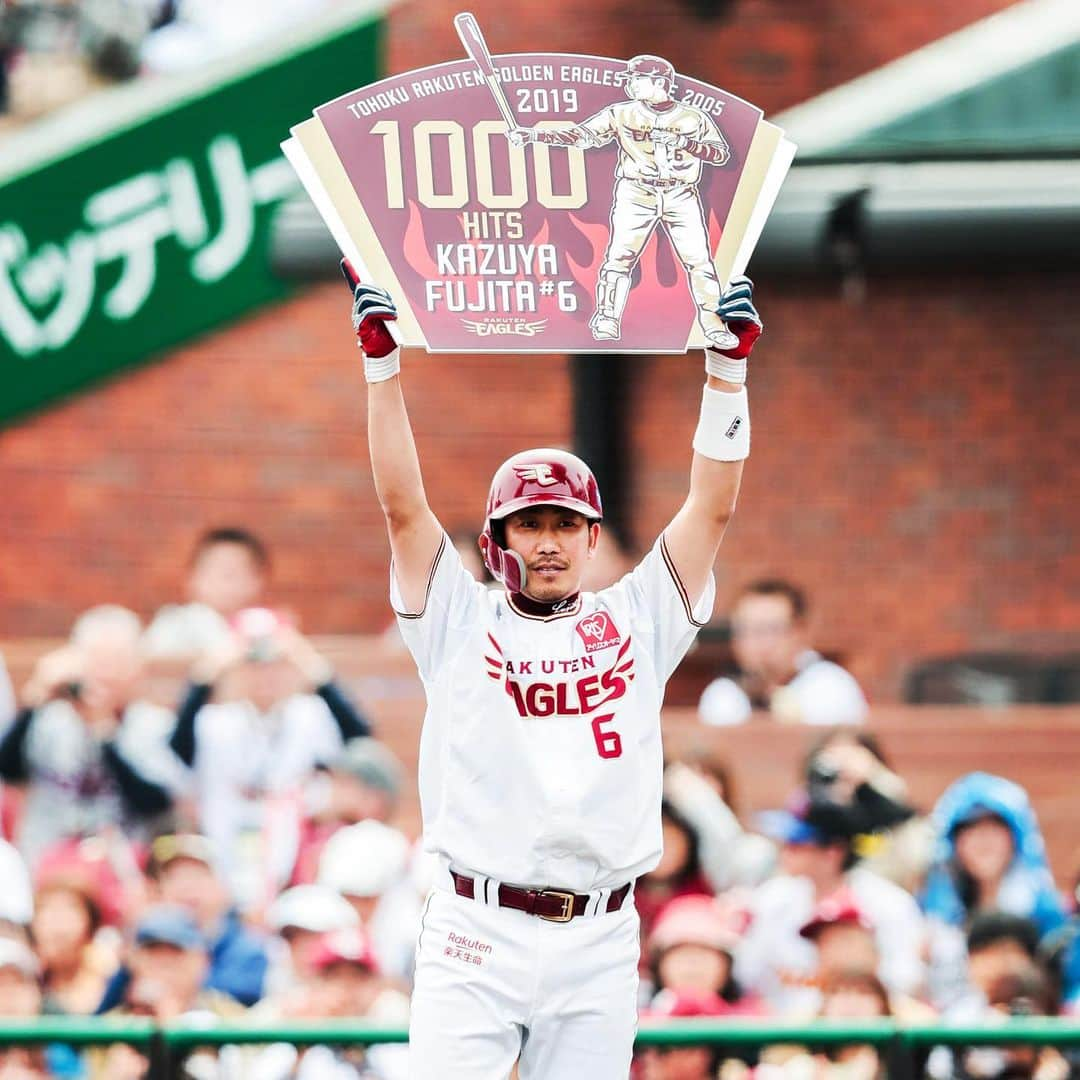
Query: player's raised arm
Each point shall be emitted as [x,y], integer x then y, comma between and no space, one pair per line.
[598,130]
[415,532]
[721,444]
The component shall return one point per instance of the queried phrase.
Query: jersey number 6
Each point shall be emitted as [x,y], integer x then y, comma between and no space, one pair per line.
[608,743]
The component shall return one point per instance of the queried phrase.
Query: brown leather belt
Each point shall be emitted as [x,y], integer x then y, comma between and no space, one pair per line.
[551,904]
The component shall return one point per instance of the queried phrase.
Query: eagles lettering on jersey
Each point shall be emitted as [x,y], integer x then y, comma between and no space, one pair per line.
[537,697]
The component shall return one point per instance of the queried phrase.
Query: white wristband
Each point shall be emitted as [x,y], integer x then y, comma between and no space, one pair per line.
[723,367]
[723,431]
[379,369]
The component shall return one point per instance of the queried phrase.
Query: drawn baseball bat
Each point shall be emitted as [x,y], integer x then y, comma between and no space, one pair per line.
[469,31]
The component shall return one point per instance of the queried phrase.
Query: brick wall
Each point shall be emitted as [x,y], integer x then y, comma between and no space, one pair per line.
[915,465]
[912,459]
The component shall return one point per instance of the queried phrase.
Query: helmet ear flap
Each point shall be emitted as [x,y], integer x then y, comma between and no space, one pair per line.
[506,566]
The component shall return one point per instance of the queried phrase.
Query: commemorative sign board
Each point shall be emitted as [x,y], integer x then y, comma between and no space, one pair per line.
[542,202]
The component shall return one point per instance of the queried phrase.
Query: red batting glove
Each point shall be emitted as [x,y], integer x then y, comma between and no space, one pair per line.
[372,309]
[741,317]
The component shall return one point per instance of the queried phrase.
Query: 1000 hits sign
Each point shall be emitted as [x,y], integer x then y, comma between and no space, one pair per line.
[544,202]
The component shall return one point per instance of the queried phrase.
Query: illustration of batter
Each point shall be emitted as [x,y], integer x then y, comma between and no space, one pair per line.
[662,146]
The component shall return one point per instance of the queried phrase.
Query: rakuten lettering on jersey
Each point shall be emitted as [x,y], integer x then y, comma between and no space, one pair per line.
[537,697]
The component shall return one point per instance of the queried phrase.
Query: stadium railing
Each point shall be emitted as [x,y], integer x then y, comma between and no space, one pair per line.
[902,1046]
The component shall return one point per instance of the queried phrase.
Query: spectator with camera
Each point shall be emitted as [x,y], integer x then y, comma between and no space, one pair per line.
[92,754]
[227,573]
[778,670]
[848,776]
[280,713]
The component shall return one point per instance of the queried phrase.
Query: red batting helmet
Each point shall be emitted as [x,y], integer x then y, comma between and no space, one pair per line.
[542,477]
[655,66]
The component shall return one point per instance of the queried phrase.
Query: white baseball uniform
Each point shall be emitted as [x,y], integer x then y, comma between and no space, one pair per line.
[654,183]
[540,766]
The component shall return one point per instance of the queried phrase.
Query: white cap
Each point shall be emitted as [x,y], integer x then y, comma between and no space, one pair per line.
[365,859]
[311,907]
[14,954]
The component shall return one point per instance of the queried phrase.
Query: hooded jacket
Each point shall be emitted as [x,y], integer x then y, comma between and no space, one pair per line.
[1027,888]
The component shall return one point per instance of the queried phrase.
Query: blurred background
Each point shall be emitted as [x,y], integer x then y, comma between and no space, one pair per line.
[175,358]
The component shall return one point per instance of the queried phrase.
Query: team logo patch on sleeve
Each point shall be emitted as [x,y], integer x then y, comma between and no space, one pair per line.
[597,631]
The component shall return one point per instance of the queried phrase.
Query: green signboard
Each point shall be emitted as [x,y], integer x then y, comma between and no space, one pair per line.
[136,241]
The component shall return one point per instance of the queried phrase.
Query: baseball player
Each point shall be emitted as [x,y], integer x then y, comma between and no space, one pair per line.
[540,760]
[662,146]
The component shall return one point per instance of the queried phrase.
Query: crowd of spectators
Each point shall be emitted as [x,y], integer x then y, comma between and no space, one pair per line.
[237,857]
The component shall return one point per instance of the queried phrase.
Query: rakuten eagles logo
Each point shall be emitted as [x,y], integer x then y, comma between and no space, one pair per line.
[495,327]
[580,695]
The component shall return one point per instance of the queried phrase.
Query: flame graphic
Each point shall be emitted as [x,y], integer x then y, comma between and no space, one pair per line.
[414,246]
[716,230]
[656,268]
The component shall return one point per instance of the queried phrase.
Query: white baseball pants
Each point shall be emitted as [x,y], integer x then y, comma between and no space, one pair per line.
[492,984]
[636,211]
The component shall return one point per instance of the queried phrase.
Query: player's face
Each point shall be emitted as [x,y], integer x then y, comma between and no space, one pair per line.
[649,89]
[555,544]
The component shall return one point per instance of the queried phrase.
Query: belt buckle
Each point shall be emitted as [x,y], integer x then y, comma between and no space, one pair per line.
[567,912]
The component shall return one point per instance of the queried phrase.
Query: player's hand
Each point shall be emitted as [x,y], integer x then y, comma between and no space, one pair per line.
[212,665]
[57,674]
[741,317]
[373,308]
[296,648]
[663,137]
[519,136]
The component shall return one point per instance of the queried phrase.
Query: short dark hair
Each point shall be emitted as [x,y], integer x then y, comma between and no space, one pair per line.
[866,739]
[858,979]
[227,534]
[795,596]
[989,927]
